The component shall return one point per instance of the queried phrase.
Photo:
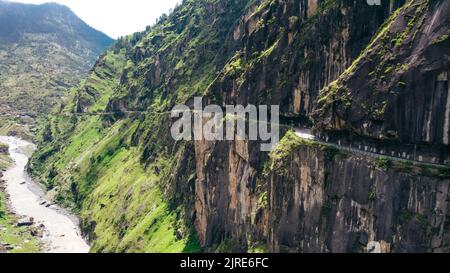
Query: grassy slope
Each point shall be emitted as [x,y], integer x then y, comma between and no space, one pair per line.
[97,171]
[109,174]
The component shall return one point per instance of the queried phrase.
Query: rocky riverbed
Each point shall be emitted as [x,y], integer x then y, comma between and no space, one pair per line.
[58,230]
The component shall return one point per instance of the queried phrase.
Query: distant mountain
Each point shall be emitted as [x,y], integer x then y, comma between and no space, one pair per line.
[44,50]
[17,20]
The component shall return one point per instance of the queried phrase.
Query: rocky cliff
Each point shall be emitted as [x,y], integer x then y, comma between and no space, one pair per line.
[110,155]
[397,90]
[323,200]
[317,56]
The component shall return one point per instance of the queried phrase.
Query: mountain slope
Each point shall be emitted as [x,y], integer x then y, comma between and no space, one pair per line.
[44,50]
[175,59]
[137,189]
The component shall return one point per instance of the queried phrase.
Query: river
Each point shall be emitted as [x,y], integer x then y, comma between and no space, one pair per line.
[62,233]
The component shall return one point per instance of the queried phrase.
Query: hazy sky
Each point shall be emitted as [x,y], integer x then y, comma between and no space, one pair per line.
[116,17]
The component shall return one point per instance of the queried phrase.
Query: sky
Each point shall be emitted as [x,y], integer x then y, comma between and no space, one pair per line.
[115,17]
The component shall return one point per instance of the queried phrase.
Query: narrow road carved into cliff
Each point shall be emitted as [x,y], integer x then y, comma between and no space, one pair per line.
[306,134]
[61,233]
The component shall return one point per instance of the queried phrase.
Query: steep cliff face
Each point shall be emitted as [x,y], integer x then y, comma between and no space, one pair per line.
[288,50]
[137,189]
[286,58]
[323,200]
[398,88]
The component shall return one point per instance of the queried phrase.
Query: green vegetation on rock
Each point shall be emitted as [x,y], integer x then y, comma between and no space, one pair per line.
[383,163]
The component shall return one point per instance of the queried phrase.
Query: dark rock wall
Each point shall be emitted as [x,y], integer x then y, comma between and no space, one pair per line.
[347,205]
[314,50]
[398,89]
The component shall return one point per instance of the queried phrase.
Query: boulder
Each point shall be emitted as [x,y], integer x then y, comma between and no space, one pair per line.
[37,232]
[25,222]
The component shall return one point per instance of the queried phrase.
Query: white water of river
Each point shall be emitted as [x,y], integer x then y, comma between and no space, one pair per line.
[62,234]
